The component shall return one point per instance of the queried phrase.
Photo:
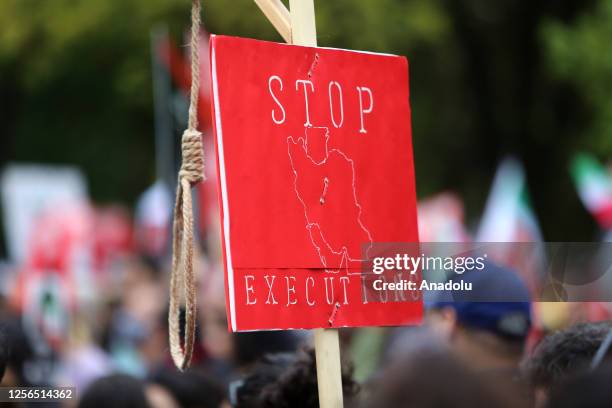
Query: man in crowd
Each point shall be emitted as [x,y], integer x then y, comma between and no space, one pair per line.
[563,354]
[487,326]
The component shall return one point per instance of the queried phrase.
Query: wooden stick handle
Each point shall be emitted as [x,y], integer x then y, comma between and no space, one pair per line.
[303,27]
[327,342]
[298,27]
[329,372]
[278,15]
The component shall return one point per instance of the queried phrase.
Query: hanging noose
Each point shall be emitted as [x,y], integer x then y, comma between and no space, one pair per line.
[191,173]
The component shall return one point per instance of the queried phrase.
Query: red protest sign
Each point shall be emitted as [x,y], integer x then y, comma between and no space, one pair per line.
[314,157]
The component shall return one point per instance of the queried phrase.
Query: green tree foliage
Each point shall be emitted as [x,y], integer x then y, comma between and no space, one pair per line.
[581,55]
[75,81]
[75,86]
[76,76]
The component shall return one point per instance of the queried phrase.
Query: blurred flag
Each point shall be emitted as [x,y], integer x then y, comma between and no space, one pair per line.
[508,216]
[594,186]
[31,190]
[113,237]
[441,219]
[178,64]
[57,275]
[153,219]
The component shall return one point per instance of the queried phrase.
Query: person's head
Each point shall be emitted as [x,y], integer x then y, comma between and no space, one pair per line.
[16,352]
[587,389]
[249,347]
[117,390]
[286,380]
[4,350]
[192,388]
[487,325]
[435,379]
[216,339]
[564,353]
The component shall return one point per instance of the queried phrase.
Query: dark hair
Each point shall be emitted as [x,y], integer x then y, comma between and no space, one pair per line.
[15,349]
[251,346]
[565,352]
[4,350]
[117,391]
[192,388]
[437,379]
[588,389]
[287,380]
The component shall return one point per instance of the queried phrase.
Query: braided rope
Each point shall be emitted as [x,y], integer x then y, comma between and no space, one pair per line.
[191,173]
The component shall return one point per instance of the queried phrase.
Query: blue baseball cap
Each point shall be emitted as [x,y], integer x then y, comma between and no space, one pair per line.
[499,302]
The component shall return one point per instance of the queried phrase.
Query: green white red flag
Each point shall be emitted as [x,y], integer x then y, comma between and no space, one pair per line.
[594,186]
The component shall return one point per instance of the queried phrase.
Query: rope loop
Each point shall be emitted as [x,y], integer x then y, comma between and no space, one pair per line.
[191,173]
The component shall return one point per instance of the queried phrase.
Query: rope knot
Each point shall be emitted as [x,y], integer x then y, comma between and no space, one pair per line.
[192,167]
[182,279]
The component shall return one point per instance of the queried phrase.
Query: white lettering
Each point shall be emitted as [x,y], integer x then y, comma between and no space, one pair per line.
[310,279]
[331,105]
[270,294]
[330,299]
[249,289]
[361,89]
[280,81]
[304,82]
[290,290]
[345,280]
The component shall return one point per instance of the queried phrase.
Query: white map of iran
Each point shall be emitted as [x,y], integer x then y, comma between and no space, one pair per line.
[325,185]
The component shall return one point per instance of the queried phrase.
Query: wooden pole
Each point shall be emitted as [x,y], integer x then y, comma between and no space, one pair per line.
[327,343]
[329,373]
[302,29]
[278,15]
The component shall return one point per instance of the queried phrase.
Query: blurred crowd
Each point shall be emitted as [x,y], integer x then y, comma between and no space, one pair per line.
[84,297]
[84,304]
[114,349]
[84,288]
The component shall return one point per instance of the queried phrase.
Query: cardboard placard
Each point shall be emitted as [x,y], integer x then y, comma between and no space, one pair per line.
[314,156]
